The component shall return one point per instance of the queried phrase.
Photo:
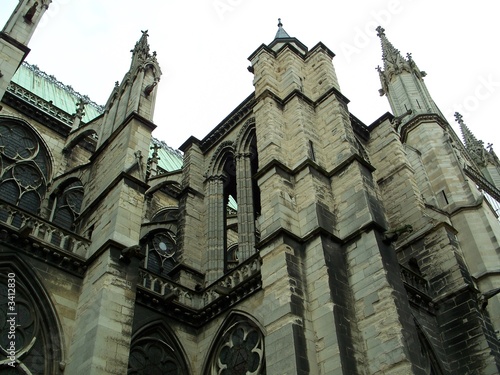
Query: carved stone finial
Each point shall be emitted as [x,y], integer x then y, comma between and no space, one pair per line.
[155,149]
[80,109]
[380,31]
[458,118]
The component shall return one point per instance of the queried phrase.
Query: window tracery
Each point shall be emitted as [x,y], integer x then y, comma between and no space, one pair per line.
[36,339]
[154,353]
[24,166]
[67,205]
[239,351]
[161,254]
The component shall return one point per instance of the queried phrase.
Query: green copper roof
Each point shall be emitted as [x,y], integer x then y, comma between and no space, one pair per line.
[169,159]
[47,87]
[64,97]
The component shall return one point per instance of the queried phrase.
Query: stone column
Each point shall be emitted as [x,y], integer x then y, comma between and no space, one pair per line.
[246,216]
[216,229]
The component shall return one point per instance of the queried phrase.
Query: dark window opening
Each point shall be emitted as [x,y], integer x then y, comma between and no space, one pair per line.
[67,206]
[161,253]
[24,166]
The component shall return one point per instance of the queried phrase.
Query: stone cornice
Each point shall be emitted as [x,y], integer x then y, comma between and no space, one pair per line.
[419,119]
[15,43]
[129,180]
[226,125]
[386,116]
[132,116]
[308,163]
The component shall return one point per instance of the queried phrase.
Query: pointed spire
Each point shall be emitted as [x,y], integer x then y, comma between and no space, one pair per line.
[140,52]
[474,146]
[281,32]
[390,55]
[282,38]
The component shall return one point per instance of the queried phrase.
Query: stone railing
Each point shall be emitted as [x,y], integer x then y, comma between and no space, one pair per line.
[199,300]
[415,281]
[166,288]
[28,224]
[38,102]
[238,275]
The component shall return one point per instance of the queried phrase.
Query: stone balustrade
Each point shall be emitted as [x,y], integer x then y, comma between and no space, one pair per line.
[195,300]
[416,281]
[43,230]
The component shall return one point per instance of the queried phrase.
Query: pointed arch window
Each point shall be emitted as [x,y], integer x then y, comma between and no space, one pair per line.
[36,337]
[67,205]
[233,202]
[161,253]
[24,166]
[154,351]
[168,214]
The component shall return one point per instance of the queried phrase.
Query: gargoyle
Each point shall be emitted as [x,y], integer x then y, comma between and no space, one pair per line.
[392,236]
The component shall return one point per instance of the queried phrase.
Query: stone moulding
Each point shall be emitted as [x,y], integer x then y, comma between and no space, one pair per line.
[194,307]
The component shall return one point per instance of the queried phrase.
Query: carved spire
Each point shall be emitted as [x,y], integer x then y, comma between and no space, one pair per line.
[140,53]
[78,116]
[394,62]
[403,82]
[469,139]
[474,146]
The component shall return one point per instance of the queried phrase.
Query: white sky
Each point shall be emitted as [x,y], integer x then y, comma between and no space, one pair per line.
[203,45]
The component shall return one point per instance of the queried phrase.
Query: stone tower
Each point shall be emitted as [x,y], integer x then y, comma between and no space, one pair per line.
[291,239]
[15,36]
[454,241]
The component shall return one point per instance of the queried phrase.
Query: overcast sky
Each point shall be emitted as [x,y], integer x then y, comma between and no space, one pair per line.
[202,47]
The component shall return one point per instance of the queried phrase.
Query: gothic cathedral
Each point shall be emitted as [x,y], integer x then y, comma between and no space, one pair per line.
[291,239]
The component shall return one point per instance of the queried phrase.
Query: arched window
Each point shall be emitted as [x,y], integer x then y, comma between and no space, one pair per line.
[239,349]
[168,214]
[232,257]
[24,166]
[161,253]
[430,361]
[154,352]
[28,325]
[67,205]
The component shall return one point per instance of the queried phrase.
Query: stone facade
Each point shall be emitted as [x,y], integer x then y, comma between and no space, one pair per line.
[294,239]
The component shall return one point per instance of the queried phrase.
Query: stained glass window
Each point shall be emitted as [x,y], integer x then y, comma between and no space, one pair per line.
[24,166]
